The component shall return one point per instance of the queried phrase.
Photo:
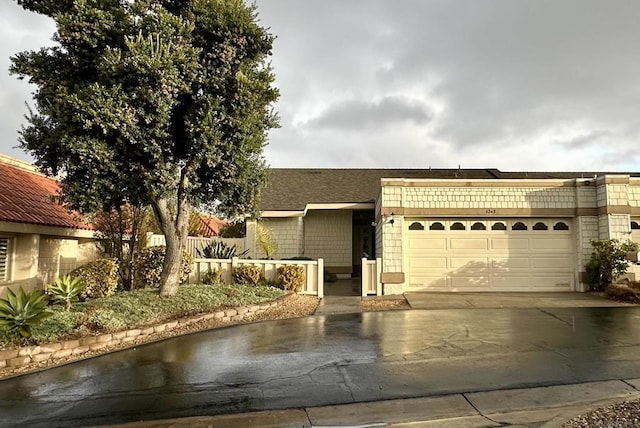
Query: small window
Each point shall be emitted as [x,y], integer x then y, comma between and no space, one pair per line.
[635,225]
[540,226]
[560,226]
[416,226]
[519,226]
[498,226]
[478,226]
[457,226]
[4,259]
[436,226]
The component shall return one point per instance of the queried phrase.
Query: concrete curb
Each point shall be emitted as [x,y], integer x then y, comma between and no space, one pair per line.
[548,407]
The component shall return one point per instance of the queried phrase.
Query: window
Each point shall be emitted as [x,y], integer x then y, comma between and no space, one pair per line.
[457,226]
[519,226]
[478,226]
[436,226]
[540,226]
[4,259]
[416,226]
[560,226]
[499,226]
[635,225]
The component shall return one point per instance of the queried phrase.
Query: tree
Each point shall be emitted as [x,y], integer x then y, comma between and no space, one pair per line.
[608,261]
[159,102]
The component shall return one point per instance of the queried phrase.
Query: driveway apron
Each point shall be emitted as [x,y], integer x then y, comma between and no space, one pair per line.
[333,359]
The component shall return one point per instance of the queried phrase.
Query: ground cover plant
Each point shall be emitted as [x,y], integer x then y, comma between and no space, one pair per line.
[138,308]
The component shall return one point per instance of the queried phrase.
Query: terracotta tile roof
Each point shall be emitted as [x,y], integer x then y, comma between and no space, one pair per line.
[209,226]
[291,189]
[27,197]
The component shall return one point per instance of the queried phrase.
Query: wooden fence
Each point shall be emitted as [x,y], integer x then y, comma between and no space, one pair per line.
[195,243]
[371,273]
[313,271]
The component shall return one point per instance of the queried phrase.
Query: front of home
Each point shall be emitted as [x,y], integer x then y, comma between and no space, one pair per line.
[450,230]
[39,239]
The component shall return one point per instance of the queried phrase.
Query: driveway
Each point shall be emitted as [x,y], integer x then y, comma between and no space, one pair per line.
[323,360]
[508,300]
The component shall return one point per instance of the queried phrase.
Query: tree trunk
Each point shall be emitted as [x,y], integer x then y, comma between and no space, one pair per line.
[174,225]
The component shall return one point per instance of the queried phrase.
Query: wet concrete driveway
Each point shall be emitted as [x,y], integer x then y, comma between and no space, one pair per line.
[333,359]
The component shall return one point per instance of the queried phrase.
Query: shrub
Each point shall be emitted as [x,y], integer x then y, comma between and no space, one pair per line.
[100,278]
[212,277]
[67,289]
[19,311]
[608,261]
[291,277]
[247,274]
[148,267]
[220,250]
[622,293]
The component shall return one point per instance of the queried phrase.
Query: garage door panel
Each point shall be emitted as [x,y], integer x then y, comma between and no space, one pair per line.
[507,263]
[468,244]
[563,244]
[510,282]
[552,283]
[554,263]
[428,263]
[428,283]
[461,283]
[427,244]
[509,244]
[469,264]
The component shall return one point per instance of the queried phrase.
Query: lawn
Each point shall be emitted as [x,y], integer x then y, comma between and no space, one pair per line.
[131,309]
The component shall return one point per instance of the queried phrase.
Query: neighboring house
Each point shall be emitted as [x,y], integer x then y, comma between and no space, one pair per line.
[207,226]
[39,238]
[450,229]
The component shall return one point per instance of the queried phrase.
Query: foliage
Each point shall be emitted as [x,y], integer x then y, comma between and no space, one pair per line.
[266,240]
[138,308]
[622,293]
[220,250]
[121,232]
[330,276]
[212,277]
[608,261]
[234,229]
[247,274]
[100,278]
[291,277]
[67,289]
[20,310]
[148,267]
[166,103]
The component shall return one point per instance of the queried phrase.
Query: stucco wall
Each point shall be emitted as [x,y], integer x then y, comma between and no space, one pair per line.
[328,234]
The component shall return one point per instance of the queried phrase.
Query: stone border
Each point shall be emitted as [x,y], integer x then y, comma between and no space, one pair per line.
[91,346]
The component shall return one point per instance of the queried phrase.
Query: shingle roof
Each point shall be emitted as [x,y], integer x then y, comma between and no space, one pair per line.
[27,197]
[291,189]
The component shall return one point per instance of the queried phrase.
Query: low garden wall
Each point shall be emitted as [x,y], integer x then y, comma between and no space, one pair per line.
[90,346]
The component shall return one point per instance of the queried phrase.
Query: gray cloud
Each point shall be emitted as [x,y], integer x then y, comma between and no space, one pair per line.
[360,115]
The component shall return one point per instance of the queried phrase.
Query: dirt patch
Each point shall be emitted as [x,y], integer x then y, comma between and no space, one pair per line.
[372,305]
[293,307]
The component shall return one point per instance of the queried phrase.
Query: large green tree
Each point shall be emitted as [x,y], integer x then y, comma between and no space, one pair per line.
[165,102]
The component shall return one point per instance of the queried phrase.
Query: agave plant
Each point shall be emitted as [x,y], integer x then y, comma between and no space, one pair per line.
[67,289]
[19,311]
[220,250]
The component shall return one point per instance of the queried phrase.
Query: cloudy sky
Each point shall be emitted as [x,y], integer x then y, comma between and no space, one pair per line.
[508,84]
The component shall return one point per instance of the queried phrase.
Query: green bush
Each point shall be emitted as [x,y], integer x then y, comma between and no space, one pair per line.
[67,289]
[100,278]
[148,267]
[247,274]
[220,250]
[291,277]
[212,277]
[608,261]
[20,310]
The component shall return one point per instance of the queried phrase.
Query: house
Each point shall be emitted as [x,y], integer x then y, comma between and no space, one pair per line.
[39,239]
[450,229]
[206,226]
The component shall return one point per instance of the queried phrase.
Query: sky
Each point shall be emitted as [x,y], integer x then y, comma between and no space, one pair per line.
[518,85]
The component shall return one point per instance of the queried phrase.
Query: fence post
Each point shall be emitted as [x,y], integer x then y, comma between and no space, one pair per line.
[365,280]
[378,278]
[320,278]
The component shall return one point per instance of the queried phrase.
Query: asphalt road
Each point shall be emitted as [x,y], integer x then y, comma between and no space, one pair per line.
[333,359]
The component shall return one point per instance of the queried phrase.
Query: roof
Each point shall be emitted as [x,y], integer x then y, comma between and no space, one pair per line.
[208,226]
[28,197]
[291,189]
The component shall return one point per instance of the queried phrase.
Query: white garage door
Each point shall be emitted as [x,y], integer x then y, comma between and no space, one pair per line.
[489,255]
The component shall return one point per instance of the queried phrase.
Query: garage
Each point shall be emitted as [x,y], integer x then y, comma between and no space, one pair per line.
[489,254]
